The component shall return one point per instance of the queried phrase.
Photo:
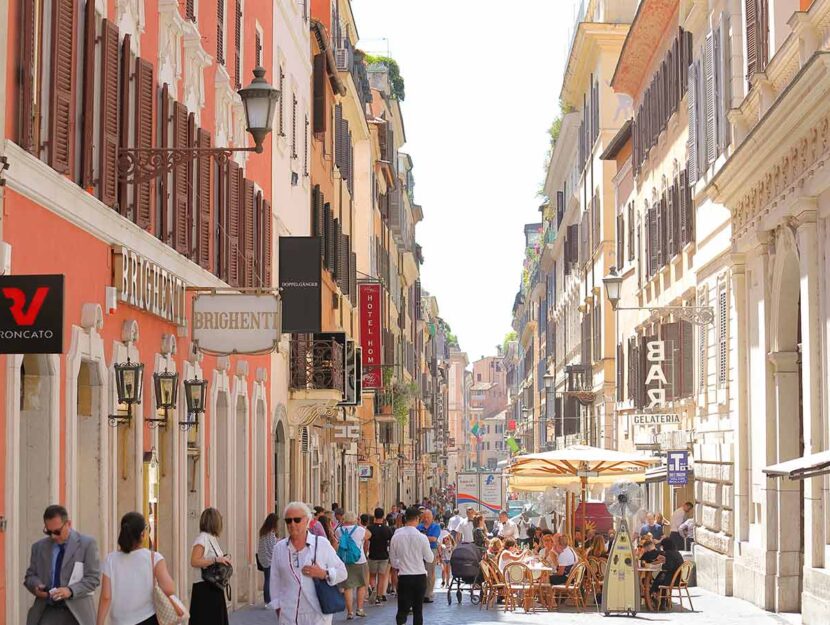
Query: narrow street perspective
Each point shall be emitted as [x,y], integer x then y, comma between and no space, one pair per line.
[251,373]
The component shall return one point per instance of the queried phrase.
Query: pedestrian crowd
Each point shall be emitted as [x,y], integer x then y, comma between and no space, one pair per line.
[331,560]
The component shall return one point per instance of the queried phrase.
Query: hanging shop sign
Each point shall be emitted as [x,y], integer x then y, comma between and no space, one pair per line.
[236,323]
[31,314]
[656,419]
[365,471]
[300,287]
[656,356]
[354,383]
[145,285]
[677,467]
[370,298]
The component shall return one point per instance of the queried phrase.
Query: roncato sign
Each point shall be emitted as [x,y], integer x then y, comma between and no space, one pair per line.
[300,271]
[370,326]
[31,314]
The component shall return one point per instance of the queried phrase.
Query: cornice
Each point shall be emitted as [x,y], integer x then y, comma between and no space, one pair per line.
[589,40]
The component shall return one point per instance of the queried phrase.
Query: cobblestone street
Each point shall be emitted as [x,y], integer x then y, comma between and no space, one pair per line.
[709,609]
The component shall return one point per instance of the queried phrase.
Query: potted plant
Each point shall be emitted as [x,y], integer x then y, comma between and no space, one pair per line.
[402,396]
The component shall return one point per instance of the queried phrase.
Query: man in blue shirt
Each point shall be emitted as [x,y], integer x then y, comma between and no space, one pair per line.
[432,531]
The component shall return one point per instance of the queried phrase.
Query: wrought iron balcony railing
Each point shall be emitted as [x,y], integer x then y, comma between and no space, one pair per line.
[316,364]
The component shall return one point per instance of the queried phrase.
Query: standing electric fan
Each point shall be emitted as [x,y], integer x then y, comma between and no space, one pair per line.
[621,586]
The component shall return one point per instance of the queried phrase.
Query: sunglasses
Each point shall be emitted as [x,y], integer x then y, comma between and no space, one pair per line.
[56,532]
[294,519]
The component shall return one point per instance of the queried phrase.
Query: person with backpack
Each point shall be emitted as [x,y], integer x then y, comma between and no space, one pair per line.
[350,537]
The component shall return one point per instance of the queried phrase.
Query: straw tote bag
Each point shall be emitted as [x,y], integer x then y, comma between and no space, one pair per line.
[166,610]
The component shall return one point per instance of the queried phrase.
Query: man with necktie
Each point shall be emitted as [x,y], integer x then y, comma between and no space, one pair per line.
[63,573]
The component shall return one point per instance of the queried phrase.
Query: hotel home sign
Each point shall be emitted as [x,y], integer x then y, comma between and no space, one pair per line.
[143,284]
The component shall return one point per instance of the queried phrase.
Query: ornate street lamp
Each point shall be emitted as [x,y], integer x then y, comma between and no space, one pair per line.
[195,391]
[166,386]
[259,100]
[129,384]
[699,315]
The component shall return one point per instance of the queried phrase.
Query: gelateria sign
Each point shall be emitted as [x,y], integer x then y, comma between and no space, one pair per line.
[143,284]
[236,323]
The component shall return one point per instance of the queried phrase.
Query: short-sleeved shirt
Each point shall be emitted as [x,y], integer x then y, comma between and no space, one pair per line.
[433,531]
[567,557]
[211,546]
[358,534]
[379,541]
[131,581]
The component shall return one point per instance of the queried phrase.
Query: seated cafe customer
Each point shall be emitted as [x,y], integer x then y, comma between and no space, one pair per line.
[671,560]
[566,560]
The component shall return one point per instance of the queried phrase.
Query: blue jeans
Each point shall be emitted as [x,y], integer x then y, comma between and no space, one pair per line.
[266,591]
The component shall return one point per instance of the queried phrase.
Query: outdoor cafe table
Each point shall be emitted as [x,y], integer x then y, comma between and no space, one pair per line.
[647,573]
[541,573]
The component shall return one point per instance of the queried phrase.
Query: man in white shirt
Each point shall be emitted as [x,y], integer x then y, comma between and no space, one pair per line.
[453,523]
[678,517]
[408,552]
[504,527]
[566,559]
[465,529]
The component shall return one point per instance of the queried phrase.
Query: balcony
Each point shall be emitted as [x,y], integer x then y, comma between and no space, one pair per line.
[316,378]
[578,378]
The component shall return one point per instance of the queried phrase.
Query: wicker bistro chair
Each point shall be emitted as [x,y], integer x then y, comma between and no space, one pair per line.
[572,588]
[679,583]
[493,587]
[521,587]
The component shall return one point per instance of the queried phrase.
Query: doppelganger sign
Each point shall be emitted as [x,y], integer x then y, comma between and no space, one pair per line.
[370,334]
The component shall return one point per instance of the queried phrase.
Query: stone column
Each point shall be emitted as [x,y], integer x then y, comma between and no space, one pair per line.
[811,379]
[788,530]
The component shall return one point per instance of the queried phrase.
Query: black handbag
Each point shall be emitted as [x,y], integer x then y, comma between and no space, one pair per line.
[259,566]
[218,574]
[331,599]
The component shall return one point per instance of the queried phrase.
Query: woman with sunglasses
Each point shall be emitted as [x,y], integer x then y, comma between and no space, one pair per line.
[297,561]
[128,578]
[207,601]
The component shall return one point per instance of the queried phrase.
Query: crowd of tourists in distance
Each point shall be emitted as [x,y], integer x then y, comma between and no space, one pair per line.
[331,560]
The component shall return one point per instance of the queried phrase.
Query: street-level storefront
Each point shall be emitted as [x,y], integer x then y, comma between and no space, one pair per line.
[66,438]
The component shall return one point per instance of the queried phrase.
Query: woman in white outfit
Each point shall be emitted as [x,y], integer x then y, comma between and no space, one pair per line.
[296,562]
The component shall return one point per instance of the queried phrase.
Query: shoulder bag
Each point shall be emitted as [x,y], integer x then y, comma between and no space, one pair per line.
[169,610]
[331,599]
[218,574]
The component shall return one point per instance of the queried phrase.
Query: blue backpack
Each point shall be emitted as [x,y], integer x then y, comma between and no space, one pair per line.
[347,550]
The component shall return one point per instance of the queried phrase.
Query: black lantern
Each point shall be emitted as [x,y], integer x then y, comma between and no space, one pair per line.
[166,386]
[260,100]
[194,394]
[129,383]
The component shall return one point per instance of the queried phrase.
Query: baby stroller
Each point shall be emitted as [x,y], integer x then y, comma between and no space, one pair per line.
[466,571]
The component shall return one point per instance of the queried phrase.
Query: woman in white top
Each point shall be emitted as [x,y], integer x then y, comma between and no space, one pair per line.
[510,553]
[297,561]
[356,570]
[128,577]
[207,602]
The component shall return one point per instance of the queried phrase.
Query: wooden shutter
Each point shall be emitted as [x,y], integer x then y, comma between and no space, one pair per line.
[266,223]
[328,237]
[28,137]
[319,96]
[220,32]
[281,105]
[693,140]
[88,108]
[144,89]
[124,104]
[671,242]
[620,372]
[108,125]
[670,335]
[652,241]
[632,369]
[317,226]
[710,98]
[725,71]
[181,184]
[620,241]
[190,10]
[234,207]
[686,359]
[249,268]
[660,212]
[237,44]
[294,126]
[682,213]
[205,194]
[631,241]
[62,86]
[751,15]
[335,248]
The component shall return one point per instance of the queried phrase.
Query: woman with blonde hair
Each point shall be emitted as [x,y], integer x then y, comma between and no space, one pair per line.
[597,547]
[207,601]
[354,586]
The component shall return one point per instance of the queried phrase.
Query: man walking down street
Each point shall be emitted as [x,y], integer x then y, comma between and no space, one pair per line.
[465,528]
[453,523]
[408,552]
[432,531]
[63,573]
[379,538]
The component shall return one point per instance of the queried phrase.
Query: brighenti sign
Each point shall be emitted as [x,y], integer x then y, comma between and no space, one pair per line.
[147,286]
[236,323]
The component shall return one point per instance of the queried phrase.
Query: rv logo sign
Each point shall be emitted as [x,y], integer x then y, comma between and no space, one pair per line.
[31,314]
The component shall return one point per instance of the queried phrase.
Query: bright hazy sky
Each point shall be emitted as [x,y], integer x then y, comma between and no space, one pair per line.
[482,87]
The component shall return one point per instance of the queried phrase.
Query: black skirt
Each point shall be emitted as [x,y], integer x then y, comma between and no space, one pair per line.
[207,605]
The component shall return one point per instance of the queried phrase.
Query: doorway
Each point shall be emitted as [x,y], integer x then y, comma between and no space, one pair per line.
[238,542]
[89,514]
[279,469]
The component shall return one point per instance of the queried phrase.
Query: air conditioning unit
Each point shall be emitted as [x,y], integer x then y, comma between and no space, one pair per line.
[343,59]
